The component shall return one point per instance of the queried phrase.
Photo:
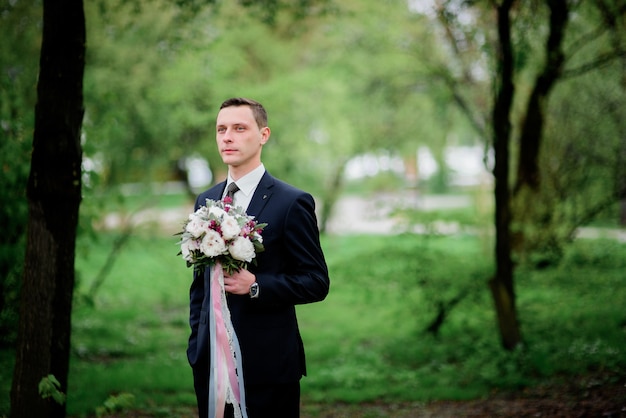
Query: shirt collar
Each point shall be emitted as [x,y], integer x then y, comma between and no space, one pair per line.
[247,184]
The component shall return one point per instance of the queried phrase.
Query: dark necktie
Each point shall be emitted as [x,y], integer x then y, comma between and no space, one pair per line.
[232,189]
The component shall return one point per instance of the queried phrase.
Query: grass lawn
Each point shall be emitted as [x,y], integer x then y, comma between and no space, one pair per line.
[367,342]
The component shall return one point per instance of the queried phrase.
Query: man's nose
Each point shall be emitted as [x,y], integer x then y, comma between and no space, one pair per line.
[226,137]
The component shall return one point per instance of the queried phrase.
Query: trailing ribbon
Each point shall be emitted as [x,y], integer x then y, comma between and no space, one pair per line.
[225,374]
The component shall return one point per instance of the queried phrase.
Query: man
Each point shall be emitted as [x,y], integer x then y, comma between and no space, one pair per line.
[261,299]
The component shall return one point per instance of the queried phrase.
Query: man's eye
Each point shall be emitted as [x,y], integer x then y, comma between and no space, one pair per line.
[240,128]
[221,130]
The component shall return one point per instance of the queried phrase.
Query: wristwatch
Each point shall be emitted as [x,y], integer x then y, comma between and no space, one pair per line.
[254,290]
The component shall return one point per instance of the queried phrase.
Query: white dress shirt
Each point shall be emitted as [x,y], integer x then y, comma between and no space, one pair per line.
[247,185]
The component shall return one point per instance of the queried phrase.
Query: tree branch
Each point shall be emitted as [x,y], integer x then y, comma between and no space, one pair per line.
[601,61]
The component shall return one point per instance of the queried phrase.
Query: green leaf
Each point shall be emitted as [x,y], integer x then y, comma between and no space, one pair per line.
[49,388]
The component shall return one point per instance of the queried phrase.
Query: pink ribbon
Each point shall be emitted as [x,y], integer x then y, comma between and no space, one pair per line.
[224,363]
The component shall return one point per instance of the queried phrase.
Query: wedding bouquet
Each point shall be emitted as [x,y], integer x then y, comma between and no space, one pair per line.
[221,233]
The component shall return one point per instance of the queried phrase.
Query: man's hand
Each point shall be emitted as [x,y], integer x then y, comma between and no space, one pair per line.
[239,282]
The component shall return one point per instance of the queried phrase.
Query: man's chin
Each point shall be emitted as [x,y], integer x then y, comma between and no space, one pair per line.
[229,160]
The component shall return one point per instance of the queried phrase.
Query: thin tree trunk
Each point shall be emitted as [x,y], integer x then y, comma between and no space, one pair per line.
[622,173]
[528,173]
[528,182]
[331,195]
[501,284]
[54,194]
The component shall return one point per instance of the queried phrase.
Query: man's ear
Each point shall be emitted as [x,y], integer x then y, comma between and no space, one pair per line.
[265,135]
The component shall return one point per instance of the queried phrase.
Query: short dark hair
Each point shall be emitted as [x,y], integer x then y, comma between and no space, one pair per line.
[258,111]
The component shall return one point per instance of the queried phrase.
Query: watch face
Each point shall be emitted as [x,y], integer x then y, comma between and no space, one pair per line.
[254,290]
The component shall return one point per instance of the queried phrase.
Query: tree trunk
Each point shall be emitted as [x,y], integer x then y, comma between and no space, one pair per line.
[501,284]
[331,195]
[54,194]
[528,182]
[532,130]
[622,173]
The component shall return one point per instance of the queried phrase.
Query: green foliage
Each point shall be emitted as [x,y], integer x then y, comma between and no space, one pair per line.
[582,179]
[370,330]
[122,128]
[49,387]
[116,403]
[7,360]
[328,99]
[18,74]
[367,340]
[368,76]
[580,148]
[601,254]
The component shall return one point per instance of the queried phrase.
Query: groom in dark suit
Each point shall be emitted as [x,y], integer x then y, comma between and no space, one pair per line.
[261,299]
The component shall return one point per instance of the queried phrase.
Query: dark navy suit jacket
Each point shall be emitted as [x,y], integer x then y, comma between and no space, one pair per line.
[290,271]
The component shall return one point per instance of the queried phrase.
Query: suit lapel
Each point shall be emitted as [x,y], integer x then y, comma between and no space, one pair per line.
[217,192]
[261,195]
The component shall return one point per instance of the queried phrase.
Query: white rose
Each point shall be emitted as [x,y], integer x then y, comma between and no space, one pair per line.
[212,244]
[217,212]
[196,226]
[187,247]
[242,249]
[230,227]
[202,212]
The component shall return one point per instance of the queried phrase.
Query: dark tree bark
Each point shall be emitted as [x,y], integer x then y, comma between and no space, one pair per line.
[501,284]
[528,174]
[532,129]
[54,194]
[622,173]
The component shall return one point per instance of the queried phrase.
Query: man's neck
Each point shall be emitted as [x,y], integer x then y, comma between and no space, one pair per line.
[238,172]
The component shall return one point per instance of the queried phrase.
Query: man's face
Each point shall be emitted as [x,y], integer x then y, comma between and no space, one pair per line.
[239,139]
